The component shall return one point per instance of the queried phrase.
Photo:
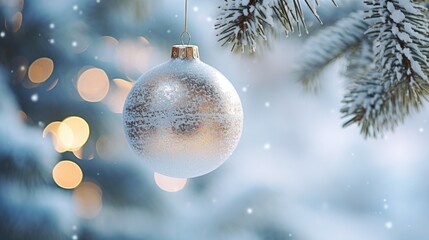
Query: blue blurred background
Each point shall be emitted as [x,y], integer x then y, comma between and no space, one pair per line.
[66,171]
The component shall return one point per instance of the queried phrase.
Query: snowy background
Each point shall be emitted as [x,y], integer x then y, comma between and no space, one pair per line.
[296,174]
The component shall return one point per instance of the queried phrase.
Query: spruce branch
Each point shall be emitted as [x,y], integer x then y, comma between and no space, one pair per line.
[401,40]
[243,22]
[328,45]
[386,49]
[360,60]
[369,104]
[397,82]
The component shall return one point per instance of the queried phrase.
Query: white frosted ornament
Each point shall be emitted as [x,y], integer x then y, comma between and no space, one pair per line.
[183,117]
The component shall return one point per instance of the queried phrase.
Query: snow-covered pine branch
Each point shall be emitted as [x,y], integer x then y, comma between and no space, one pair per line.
[23,157]
[401,39]
[386,48]
[330,44]
[398,81]
[242,22]
[360,60]
[371,106]
[364,91]
[387,67]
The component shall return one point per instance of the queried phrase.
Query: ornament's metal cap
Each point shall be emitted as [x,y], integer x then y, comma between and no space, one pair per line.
[185,52]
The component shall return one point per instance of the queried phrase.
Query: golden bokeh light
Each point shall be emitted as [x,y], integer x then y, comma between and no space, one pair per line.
[40,70]
[79,132]
[78,153]
[23,116]
[143,41]
[65,135]
[80,40]
[67,174]
[109,40]
[106,148]
[15,22]
[53,85]
[52,130]
[83,154]
[117,95]
[87,200]
[132,56]
[106,48]
[69,135]
[170,184]
[93,85]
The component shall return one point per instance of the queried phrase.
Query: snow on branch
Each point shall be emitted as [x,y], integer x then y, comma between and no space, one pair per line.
[386,50]
[371,106]
[397,82]
[360,60]
[401,45]
[330,44]
[23,156]
[243,22]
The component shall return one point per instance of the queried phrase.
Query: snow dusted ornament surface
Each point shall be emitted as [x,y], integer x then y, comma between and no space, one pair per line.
[183,117]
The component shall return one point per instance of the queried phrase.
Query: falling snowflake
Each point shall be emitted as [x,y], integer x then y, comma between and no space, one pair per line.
[267,146]
[388,225]
[34,97]
[267,104]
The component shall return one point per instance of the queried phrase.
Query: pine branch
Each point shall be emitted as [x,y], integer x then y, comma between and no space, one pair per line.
[359,60]
[243,22]
[328,45]
[24,158]
[371,106]
[397,82]
[401,40]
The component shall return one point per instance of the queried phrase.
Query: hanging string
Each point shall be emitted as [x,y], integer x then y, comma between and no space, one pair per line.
[186,17]
[185,29]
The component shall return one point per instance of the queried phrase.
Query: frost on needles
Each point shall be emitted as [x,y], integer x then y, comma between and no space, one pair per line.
[242,23]
[397,83]
[386,47]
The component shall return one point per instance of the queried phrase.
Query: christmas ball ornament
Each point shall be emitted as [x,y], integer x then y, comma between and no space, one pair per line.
[183,117]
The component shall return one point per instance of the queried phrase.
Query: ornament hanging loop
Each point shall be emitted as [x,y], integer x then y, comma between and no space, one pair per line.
[185,32]
[183,36]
